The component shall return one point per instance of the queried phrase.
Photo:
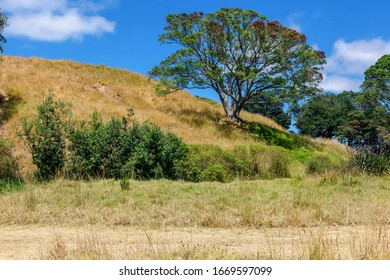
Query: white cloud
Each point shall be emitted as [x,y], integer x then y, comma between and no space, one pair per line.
[338,83]
[55,20]
[348,61]
[292,22]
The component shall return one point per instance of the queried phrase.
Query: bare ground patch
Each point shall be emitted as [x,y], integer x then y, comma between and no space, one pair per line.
[37,242]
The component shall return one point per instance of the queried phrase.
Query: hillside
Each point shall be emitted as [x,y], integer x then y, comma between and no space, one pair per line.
[112,91]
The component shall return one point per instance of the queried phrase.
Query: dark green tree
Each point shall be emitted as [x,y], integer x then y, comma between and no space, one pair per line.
[325,114]
[377,77]
[368,127]
[240,54]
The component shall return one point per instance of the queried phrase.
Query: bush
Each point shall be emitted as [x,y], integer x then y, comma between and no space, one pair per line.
[117,149]
[208,163]
[45,136]
[371,163]
[212,163]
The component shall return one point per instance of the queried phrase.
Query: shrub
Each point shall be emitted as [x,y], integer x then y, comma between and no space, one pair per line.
[371,163]
[45,137]
[318,164]
[118,149]
[212,163]
[208,163]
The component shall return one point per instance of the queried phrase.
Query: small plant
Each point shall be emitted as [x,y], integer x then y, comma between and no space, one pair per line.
[125,184]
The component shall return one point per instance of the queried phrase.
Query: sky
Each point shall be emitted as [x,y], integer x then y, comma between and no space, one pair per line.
[124,33]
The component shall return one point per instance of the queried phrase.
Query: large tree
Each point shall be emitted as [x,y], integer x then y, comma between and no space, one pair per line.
[377,77]
[324,115]
[240,54]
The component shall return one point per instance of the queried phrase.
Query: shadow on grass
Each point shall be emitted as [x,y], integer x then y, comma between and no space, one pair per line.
[274,136]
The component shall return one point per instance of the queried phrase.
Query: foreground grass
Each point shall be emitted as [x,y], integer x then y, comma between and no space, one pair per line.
[326,200]
[318,217]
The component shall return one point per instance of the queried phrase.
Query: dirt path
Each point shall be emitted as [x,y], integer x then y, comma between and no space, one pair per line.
[36,242]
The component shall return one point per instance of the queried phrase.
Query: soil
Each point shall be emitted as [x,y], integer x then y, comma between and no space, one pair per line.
[32,242]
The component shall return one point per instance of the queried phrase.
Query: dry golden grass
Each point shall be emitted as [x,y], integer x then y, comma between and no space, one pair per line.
[111,92]
[319,217]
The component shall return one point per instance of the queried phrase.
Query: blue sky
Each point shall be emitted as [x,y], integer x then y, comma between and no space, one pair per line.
[124,33]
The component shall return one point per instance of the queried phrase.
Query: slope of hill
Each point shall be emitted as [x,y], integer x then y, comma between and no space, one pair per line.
[112,91]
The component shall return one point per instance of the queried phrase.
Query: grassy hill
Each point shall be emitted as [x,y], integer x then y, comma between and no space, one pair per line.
[112,91]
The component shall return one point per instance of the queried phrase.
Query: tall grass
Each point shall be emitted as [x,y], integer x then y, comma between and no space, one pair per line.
[300,202]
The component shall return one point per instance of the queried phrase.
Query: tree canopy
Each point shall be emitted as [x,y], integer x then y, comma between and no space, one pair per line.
[377,77]
[325,114]
[240,54]
[358,119]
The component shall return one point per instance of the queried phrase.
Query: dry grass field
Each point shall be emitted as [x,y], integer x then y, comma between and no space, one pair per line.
[335,214]
[325,217]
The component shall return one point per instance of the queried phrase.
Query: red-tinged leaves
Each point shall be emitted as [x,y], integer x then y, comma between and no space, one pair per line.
[240,54]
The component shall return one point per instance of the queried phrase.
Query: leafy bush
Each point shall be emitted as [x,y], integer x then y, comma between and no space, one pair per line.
[209,163]
[117,149]
[45,136]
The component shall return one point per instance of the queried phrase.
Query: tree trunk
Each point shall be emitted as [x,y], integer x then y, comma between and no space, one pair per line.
[232,111]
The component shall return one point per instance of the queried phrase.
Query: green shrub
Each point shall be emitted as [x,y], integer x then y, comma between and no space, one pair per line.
[118,149]
[318,164]
[371,163]
[45,137]
[212,163]
[208,163]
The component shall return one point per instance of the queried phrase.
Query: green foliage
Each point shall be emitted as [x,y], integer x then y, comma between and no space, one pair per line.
[371,163]
[212,163]
[45,137]
[324,115]
[208,163]
[377,78]
[117,149]
[240,54]
[276,137]
[369,125]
